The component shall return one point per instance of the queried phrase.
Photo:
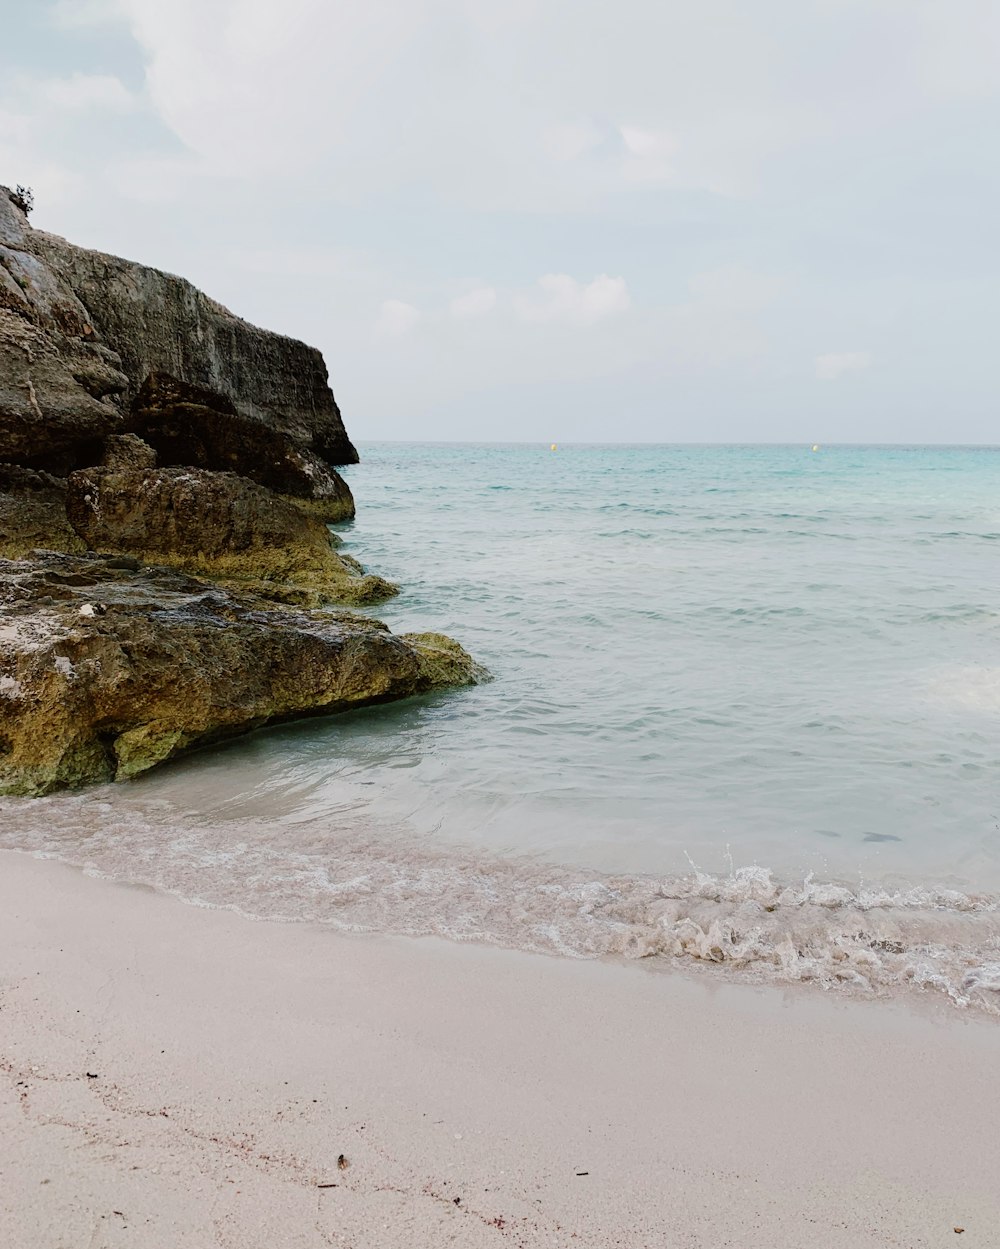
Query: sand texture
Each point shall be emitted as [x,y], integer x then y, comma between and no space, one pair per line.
[180,1078]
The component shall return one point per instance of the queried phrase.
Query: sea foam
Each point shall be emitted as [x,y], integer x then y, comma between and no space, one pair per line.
[875,939]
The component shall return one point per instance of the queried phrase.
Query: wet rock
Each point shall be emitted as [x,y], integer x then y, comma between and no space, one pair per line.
[442,661]
[106,671]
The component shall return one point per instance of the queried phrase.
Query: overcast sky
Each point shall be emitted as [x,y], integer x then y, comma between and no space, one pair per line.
[663,220]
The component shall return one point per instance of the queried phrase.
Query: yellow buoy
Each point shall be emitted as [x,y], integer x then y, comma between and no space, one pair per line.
[816,446]
[553,447]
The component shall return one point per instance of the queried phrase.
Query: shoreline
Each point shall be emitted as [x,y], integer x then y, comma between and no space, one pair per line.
[231,1062]
[870,940]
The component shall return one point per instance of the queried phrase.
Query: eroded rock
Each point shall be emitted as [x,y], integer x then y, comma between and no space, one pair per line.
[126,451]
[81,332]
[187,425]
[219,525]
[33,513]
[107,670]
[159,323]
[141,423]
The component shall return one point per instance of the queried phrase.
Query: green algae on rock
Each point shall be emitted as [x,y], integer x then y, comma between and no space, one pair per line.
[218,525]
[443,662]
[107,669]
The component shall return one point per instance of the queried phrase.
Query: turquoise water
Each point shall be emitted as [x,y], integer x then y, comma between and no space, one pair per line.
[795,655]
[746,708]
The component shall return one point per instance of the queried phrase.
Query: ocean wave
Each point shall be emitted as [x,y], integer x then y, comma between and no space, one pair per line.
[870,939]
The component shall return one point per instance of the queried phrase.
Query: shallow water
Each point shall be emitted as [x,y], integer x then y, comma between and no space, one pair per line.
[709,661]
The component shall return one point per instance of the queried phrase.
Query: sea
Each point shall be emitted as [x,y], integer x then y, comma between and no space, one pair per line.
[744,716]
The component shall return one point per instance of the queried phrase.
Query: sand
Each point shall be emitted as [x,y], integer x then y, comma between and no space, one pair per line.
[184,1078]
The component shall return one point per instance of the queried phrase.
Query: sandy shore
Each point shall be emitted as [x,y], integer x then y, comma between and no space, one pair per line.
[183,1078]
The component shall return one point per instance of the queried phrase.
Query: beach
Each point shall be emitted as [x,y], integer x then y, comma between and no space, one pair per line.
[499,626]
[182,1076]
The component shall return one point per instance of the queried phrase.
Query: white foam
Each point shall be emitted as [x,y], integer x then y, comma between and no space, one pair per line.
[868,938]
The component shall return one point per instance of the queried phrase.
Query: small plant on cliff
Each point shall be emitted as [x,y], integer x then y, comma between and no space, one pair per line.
[23,197]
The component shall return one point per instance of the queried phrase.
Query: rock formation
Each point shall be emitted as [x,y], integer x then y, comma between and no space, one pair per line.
[108,667]
[88,330]
[149,438]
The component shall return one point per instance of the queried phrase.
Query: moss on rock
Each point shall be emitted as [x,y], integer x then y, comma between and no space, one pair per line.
[107,669]
[218,525]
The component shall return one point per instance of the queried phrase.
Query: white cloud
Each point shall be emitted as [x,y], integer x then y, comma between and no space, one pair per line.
[566,142]
[429,137]
[82,91]
[737,288]
[76,14]
[648,154]
[476,303]
[836,363]
[547,94]
[49,138]
[956,44]
[396,318]
[559,297]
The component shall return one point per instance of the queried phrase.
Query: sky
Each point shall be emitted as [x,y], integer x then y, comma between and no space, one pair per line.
[537,220]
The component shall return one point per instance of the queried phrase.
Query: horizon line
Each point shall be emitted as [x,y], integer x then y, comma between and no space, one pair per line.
[637,442]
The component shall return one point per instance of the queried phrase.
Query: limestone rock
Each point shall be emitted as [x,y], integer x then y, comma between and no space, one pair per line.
[56,392]
[142,423]
[33,513]
[188,425]
[126,451]
[216,524]
[80,332]
[107,669]
[443,661]
[159,323]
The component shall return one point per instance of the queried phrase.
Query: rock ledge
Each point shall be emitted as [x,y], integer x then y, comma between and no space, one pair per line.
[108,668]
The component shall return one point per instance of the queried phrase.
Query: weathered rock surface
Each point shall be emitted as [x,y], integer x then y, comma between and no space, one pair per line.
[33,513]
[190,426]
[219,525]
[141,423]
[107,669]
[105,363]
[126,451]
[80,333]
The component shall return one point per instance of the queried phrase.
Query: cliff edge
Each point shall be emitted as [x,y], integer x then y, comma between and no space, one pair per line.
[81,334]
[166,480]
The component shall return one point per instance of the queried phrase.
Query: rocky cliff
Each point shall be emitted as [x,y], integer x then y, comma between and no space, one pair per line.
[166,479]
[81,333]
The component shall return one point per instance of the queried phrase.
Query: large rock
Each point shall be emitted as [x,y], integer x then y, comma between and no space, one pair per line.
[59,386]
[142,423]
[159,323]
[80,333]
[219,525]
[107,669]
[33,513]
[187,425]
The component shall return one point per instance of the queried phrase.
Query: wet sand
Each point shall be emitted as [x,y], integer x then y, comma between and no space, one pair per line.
[174,1077]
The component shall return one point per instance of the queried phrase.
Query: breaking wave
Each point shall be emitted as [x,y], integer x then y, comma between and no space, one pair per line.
[864,938]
